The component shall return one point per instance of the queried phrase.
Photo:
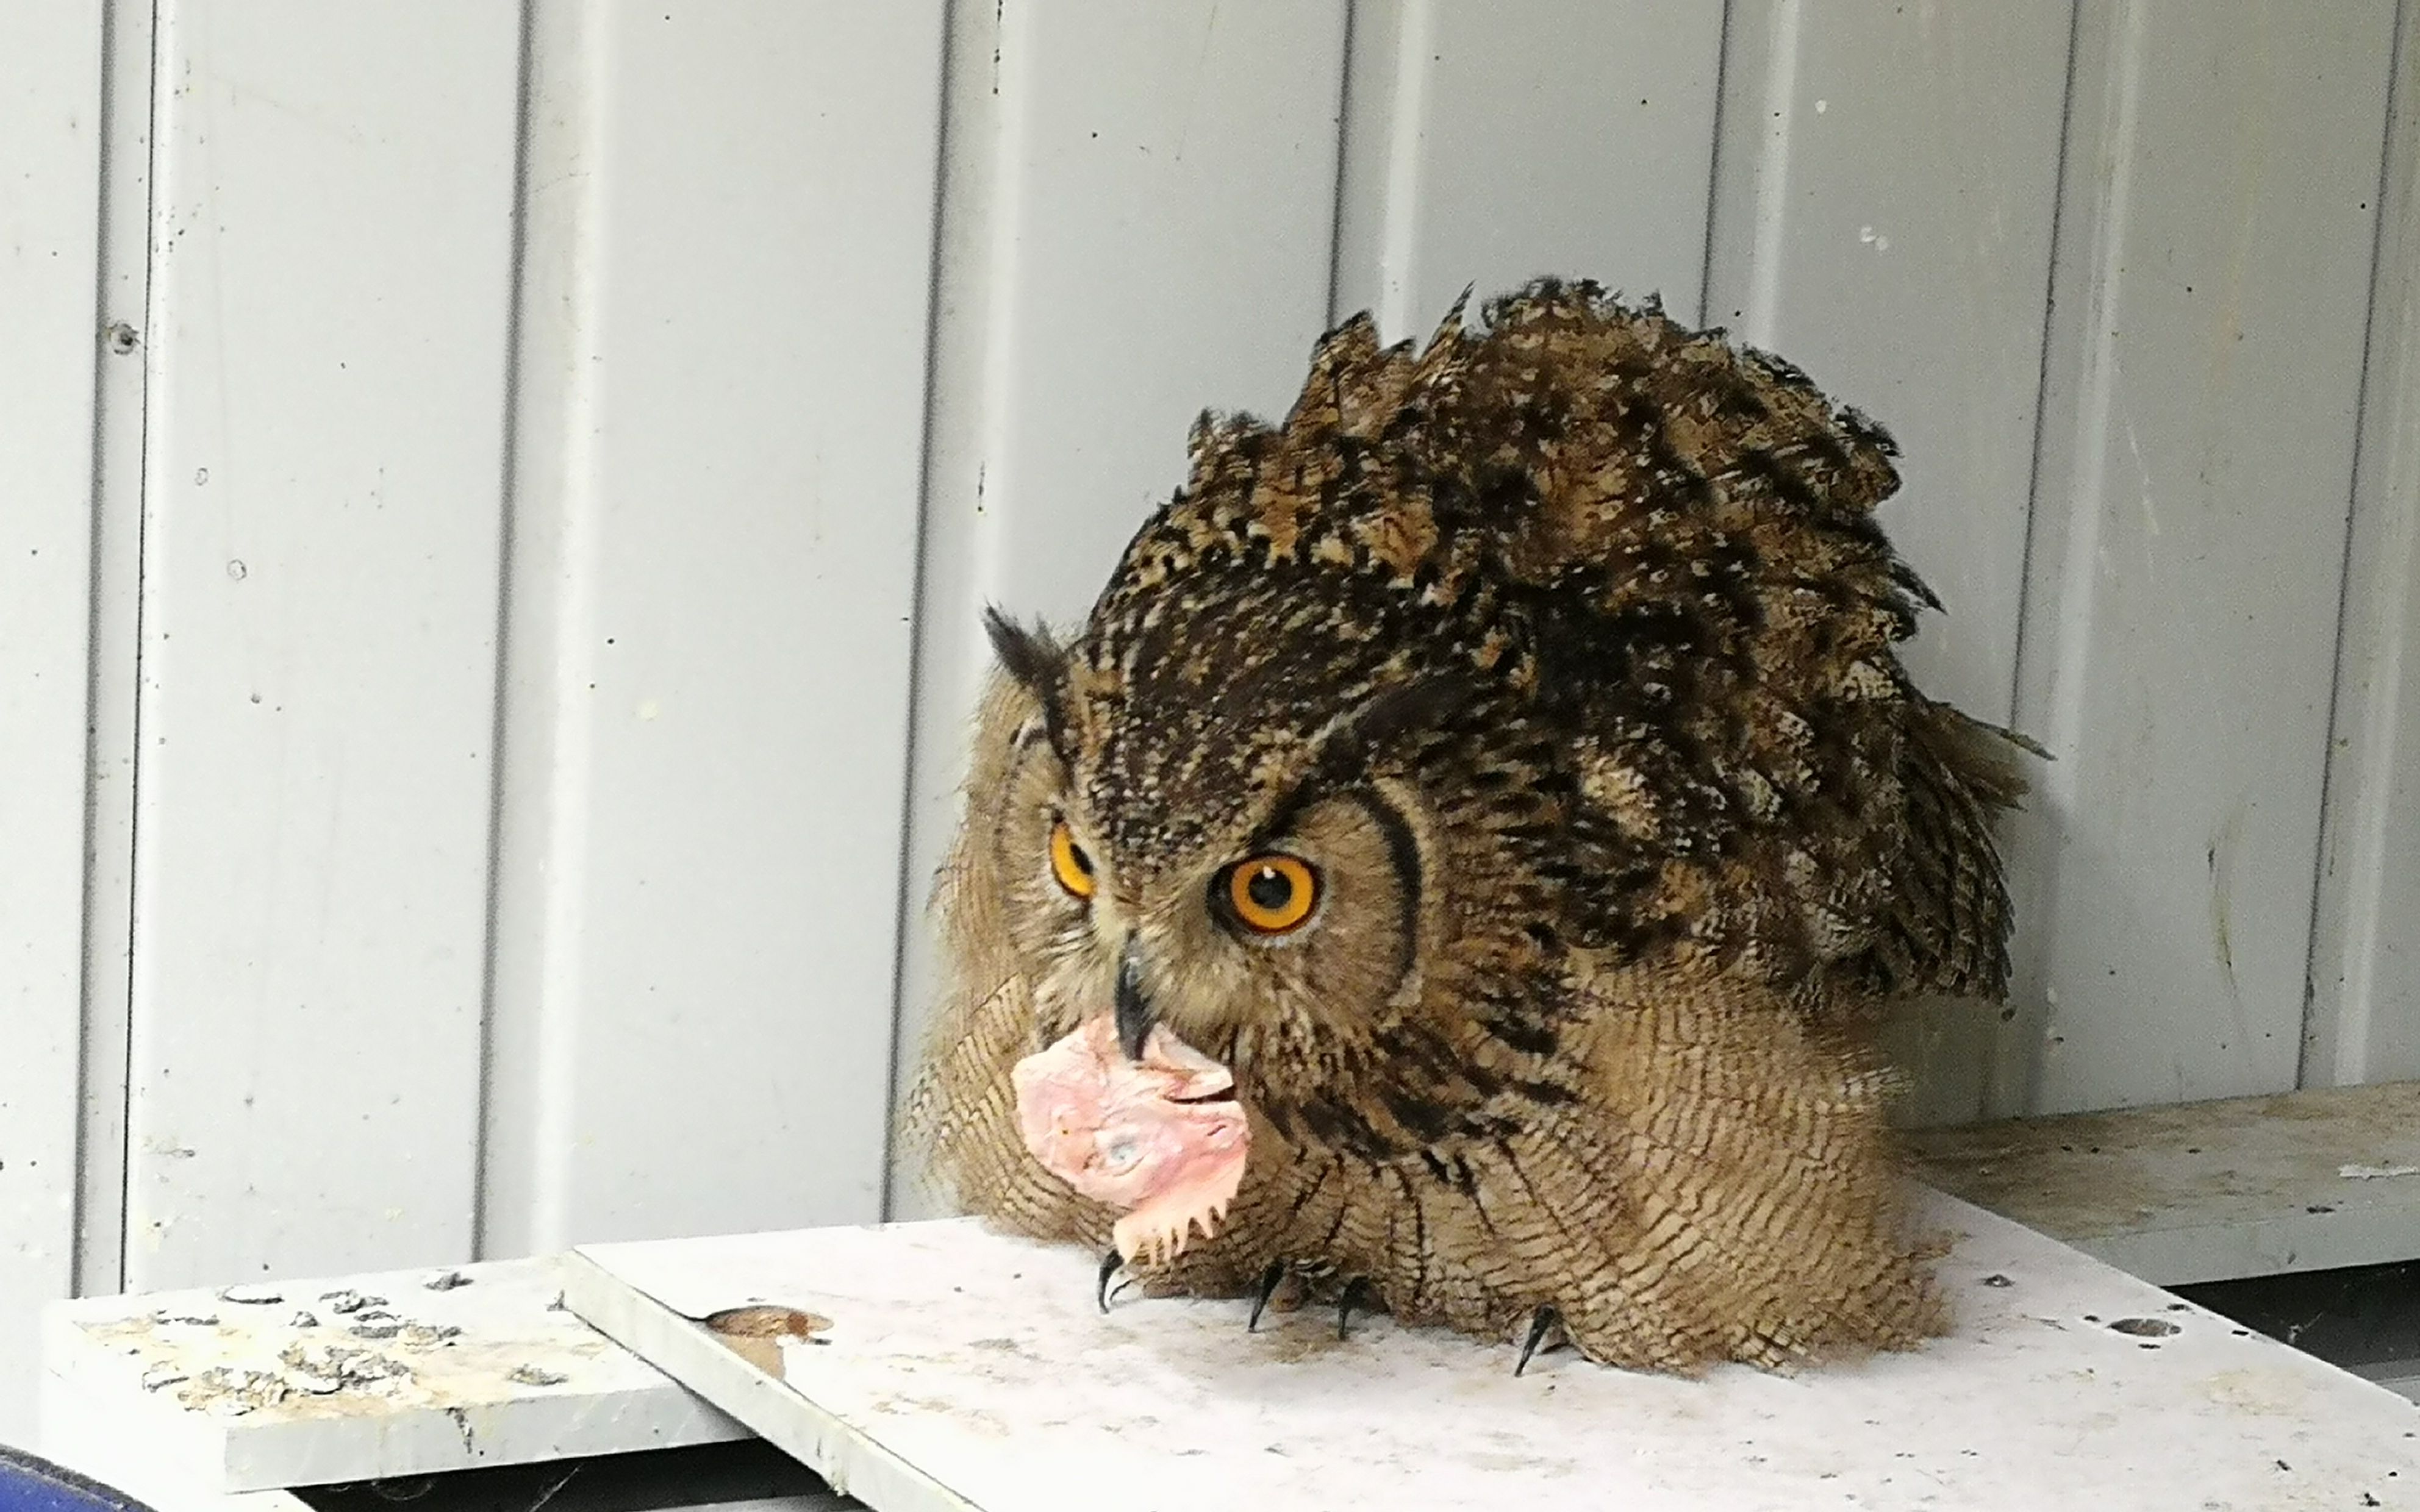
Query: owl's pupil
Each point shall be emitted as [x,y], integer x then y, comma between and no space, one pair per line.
[1270,889]
[1084,862]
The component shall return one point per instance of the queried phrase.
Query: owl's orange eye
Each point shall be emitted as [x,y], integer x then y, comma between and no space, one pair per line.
[1068,862]
[1272,894]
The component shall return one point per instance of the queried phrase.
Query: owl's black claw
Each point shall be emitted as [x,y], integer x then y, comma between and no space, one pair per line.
[1110,1263]
[1353,1291]
[1540,1320]
[1270,1280]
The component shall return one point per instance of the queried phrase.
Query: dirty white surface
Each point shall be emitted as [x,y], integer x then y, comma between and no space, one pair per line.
[91,1440]
[2213,1190]
[86,1431]
[963,1369]
[357,1378]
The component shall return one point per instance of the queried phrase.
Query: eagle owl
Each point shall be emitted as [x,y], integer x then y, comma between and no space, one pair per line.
[1498,780]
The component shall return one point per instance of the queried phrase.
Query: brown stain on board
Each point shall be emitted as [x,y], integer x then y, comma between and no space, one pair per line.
[755,1333]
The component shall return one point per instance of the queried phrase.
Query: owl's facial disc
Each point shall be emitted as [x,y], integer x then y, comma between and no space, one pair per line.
[1263,935]
[1247,899]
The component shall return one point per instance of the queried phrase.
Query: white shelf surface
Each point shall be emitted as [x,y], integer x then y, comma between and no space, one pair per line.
[961,1369]
[2214,1191]
[360,1378]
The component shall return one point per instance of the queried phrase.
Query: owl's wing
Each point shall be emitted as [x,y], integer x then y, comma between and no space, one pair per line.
[1946,930]
[961,1111]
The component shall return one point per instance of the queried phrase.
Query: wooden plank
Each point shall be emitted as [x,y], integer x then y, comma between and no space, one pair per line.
[50,226]
[957,1370]
[1137,223]
[2212,284]
[361,1378]
[1487,145]
[714,556]
[2365,1013]
[1887,182]
[331,259]
[2214,1191]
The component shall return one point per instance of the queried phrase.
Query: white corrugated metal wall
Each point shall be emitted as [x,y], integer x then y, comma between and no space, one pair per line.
[494,501]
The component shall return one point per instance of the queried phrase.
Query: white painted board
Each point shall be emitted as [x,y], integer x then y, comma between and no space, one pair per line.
[49,226]
[366,1377]
[324,429]
[79,1431]
[82,1433]
[961,1369]
[2216,1191]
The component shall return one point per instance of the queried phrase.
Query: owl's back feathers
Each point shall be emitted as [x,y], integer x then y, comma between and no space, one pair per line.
[1667,543]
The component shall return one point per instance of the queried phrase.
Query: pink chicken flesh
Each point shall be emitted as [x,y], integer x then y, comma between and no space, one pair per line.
[1163,1138]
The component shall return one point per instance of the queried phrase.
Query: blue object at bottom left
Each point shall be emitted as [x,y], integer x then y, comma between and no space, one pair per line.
[29,1484]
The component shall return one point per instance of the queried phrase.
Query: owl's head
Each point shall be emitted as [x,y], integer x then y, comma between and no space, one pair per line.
[1184,852]
[1285,792]
[1210,810]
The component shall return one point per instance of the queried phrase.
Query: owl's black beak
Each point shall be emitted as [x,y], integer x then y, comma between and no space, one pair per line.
[1134,1009]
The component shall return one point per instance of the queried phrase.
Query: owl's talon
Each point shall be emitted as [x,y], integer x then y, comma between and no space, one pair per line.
[1271,1279]
[1110,1263]
[1353,1291]
[1540,1320]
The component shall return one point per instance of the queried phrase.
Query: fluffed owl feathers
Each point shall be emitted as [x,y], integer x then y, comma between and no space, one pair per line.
[1627,534]
[1561,653]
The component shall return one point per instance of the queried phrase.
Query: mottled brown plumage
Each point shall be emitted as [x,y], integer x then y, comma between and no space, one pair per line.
[1562,650]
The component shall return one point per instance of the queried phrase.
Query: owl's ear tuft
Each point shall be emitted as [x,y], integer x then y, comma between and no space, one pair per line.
[1031,656]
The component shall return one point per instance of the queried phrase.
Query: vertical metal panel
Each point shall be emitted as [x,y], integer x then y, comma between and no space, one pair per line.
[332,259]
[117,595]
[1487,145]
[50,222]
[1139,225]
[2212,284]
[1887,184]
[2365,1023]
[1164,220]
[722,372]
